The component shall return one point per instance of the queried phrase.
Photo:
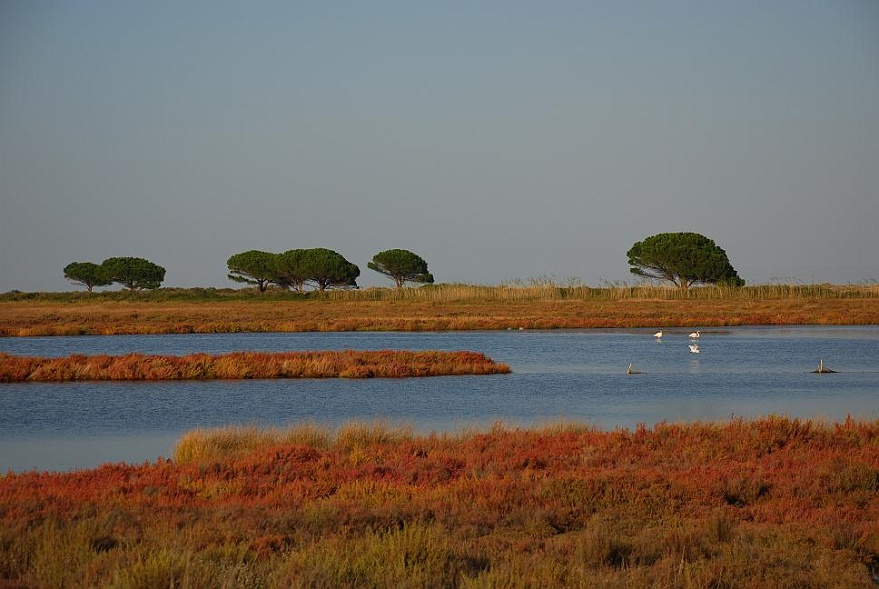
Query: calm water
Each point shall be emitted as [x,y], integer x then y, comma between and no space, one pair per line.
[557,375]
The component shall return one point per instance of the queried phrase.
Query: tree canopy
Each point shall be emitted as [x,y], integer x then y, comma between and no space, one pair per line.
[401,266]
[329,269]
[292,269]
[253,267]
[683,259]
[87,274]
[134,273]
[324,268]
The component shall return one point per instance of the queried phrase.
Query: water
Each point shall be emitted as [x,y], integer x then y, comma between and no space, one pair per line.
[570,375]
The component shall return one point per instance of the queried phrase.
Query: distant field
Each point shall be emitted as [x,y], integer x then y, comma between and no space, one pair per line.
[434,308]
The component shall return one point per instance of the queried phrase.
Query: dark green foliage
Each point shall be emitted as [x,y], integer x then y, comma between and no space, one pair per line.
[401,266]
[683,259]
[253,267]
[329,269]
[292,269]
[134,273]
[87,274]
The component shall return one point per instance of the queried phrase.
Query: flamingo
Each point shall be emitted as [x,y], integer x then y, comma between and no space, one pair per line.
[694,348]
[695,335]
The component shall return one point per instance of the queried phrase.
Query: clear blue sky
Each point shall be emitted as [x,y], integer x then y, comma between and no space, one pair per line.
[500,140]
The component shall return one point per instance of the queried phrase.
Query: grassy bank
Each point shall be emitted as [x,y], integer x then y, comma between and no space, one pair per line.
[244,365]
[769,503]
[444,307]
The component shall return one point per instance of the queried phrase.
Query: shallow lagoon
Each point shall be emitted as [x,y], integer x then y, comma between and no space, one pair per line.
[570,375]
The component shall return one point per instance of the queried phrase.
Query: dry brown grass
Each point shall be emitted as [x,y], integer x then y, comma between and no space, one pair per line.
[105,317]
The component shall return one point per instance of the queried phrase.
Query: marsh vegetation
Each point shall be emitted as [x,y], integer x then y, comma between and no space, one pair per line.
[767,503]
[248,365]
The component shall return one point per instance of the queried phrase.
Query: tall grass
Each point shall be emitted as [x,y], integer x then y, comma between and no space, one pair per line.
[540,289]
[548,290]
[228,443]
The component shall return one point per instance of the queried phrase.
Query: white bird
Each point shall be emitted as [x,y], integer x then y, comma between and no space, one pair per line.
[694,348]
[658,334]
[695,335]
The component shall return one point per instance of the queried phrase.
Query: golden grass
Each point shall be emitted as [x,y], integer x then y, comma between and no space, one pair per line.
[446,307]
[206,446]
[247,365]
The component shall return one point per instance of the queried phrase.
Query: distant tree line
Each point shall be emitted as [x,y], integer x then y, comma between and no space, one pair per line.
[683,258]
[321,268]
[295,269]
[132,273]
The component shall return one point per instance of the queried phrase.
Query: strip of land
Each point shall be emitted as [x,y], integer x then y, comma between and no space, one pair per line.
[249,365]
[434,310]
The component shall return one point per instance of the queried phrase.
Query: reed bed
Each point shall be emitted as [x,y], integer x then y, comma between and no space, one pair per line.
[549,290]
[768,503]
[535,289]
[249,365]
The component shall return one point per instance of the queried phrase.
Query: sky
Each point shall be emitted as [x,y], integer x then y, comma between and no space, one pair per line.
[501,140]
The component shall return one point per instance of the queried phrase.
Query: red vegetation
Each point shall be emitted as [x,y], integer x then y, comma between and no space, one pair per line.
[771,503]
[241,365]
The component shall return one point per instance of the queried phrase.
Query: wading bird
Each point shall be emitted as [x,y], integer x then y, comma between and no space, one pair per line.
[658,334]
[631,370]
[695,335]
[694,348]
[822,369]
